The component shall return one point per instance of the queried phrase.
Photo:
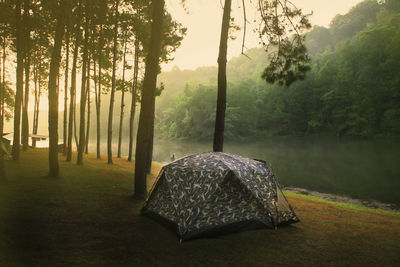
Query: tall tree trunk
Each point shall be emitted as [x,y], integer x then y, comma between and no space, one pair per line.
[53,97]
[4,77]
[146,118]
[81,144]
[72,94]
[65,141]
[25,120]
[88,108]
[2,88]
[121,117]
[111,110]
[36,122]
[19,81]
[35,80]
[75,128]
[150,149]
[98,93]
[221,99]
[134,94]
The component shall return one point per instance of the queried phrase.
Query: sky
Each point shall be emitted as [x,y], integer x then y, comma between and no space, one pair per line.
[203,23]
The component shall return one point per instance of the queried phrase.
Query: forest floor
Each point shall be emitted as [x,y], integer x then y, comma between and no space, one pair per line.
[88,217]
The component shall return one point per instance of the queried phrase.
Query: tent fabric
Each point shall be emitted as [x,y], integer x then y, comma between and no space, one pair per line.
[215,192]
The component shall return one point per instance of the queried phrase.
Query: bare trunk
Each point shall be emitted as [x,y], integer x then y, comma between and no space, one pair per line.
[53,97]
[98,94]
[75,134]
[111,109]
[221,99]
[121,117]
[4,78]
[19,81]
[134,94]
[36,122]
[81,144]
[65,141]
[25,120]
[35,81]
[88,108]
[146,118]
[2,168]
[72,93]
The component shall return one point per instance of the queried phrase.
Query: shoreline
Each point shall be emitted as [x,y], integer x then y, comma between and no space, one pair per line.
[374,204]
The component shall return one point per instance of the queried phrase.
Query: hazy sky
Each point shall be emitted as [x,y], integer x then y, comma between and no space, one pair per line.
[200,46]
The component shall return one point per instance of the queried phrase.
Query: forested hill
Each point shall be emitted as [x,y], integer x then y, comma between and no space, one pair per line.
[352,89]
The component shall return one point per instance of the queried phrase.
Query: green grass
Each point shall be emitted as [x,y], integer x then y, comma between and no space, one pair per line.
[88,217]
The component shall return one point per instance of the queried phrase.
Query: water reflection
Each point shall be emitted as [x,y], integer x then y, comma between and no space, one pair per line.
[367,169]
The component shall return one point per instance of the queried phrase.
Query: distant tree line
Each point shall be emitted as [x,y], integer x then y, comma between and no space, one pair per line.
[353,87]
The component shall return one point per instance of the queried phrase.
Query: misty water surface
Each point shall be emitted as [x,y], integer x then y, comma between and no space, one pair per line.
[367,169]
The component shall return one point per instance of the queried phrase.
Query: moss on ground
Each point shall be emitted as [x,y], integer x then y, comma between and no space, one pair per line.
[88,217]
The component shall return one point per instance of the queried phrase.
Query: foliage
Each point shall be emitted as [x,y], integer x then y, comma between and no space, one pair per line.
[352,89]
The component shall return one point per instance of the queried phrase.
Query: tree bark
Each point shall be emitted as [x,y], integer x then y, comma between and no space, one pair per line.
[66,93]
[19,81]
[88,108]
[36,121]
[74,128]
[221,98]
[72,94]
[2,168]
[35,81]
[81,144]
[111,109]
[121,117]
[98,93]
[4,78]
[134,93]
[53,97]
[25,119]
[146,118]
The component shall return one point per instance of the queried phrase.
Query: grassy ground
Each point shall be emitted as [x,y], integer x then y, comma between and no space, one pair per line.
[87,217]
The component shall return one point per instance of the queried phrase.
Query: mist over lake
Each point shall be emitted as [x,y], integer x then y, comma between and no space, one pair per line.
[358,168]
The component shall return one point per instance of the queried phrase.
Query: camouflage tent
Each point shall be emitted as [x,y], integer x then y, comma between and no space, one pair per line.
[213,193]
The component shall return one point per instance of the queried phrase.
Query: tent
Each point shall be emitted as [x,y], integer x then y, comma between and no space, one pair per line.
[217,193]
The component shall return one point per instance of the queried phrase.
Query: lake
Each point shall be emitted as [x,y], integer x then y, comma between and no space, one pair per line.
[366,169]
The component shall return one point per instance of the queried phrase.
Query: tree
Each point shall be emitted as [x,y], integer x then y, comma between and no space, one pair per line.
[113,84]
[27,53]
[122,88]
[221,99]
[65,122]
[82,140]
[288,61]
[134,96]
[19,80]
[72,107]
[98,91]
[6,94]
[2,95]
[146,118]
[53,96]
[88,103]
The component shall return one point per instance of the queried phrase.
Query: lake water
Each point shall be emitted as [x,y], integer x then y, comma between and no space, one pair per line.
[366,169]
